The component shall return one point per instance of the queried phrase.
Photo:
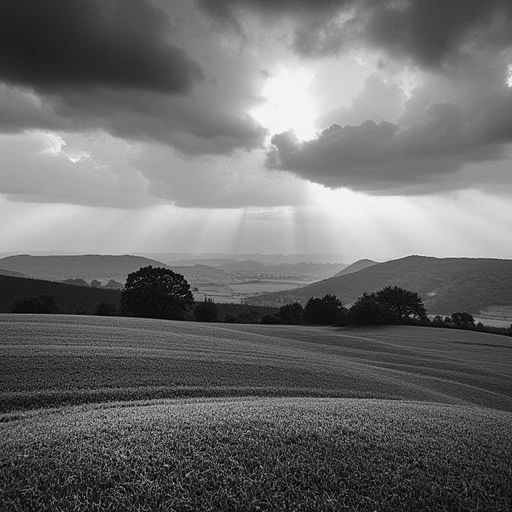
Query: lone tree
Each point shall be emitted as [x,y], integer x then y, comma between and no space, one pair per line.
[155,292]
[325,311]
[401,303]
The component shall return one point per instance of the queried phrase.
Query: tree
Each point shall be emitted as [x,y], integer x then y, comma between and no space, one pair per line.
[44,304]
[291,314]
[271,320]
[463,320]
[206,311]
[155,292]
[403,304]
[367,310]
[438,321]
[325,311]
[106,309]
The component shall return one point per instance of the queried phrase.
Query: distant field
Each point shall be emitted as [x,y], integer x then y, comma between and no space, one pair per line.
[235,292]
[134,414]
[53,360]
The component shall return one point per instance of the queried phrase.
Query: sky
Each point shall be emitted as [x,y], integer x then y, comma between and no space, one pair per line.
[368,128]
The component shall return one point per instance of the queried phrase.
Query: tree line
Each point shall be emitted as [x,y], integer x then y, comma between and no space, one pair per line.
[154,292]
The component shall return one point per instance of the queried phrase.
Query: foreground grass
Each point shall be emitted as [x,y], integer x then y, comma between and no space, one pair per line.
[258,454]
[53,360]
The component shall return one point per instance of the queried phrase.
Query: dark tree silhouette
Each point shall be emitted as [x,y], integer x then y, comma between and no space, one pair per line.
[403,304]
[271,320]
[155,292]
[325,311]
[463,320]
[44,304]
[106,309]
[206,311]
[291,314]
[367,310]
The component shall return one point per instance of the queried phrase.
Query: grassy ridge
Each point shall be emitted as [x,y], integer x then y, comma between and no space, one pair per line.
[258,455]
[56,360]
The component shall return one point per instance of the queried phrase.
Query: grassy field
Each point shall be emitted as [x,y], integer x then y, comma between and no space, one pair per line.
[54,360]
[259,454]
[134,414]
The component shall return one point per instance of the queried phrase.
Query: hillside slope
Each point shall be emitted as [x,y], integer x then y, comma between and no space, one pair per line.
[70,298]
[11,273]
[54,359]
[88,266]
[356,267]
[446,285]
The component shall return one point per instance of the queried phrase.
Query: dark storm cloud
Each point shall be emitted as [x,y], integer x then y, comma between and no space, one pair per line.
[431,142]
[117,66]
[56,44]
[427,31]
[20,109]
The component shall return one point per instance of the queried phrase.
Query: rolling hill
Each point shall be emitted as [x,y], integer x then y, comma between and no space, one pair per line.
[88,267]
[11,273]
[137,414]
[120,358]
[356,267]
[446,285]
[70,298]
[103,268]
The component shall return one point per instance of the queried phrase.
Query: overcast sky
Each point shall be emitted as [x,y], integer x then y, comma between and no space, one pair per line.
[372,128]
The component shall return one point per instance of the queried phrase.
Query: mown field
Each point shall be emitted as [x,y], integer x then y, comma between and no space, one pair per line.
[55,360]
[134,414]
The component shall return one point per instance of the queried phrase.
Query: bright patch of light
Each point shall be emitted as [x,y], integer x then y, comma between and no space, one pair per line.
[509,78]
[55,144]
[289,105]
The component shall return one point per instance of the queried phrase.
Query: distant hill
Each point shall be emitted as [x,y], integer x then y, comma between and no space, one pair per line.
[217,259]
[70,298]
[11,273]
[446,285]
[210,262]
[198,274]
[88,267]
[356,267]
[244,266]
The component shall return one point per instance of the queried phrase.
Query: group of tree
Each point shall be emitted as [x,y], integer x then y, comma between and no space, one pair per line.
[154,292]
[391,305]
